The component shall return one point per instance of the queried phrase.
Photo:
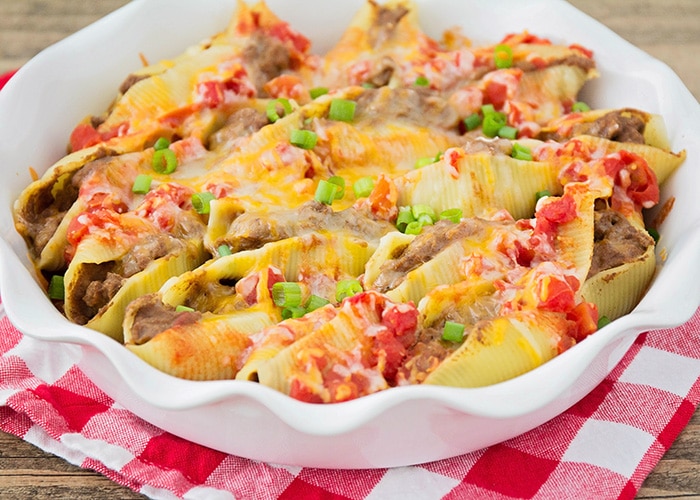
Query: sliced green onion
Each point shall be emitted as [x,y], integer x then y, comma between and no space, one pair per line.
[425,220]
[363,187]
[404,218]
[293,312]
[347,288]
[472,121]
[181,308]
[503,56]
[521,152]
[493,122]
[487,109]
[422,162]
[421,209]
[508,132]
[224,250]
[286,294]
[57,290]
[453,332]
[602,321]
[272,109]
[414,227]
[315,302]
[340,182]
[342,110]
[304,139]
[580,107]
[318,92]
[451,214]
[542,194]
[422,81]
[164,161]
[202,202]
[654,234]
[368,85]
[326,192]
[161,143]
[142,184]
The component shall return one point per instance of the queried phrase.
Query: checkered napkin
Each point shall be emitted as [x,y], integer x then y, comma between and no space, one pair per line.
[602,447]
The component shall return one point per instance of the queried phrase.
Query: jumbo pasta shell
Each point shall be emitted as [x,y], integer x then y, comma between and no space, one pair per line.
[477,183]
[618,290]
[390,246]
[206,350]
[109,319]
[661,161]
[501,349]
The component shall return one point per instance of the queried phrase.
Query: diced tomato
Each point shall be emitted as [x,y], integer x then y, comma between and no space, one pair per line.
[274,275]
[557,294]
[558,211]
[585,315]
[523,254]
[287,86]
[302,392]
[583,50]
[383,198]
[247,288]
[81,225]
[638,180]
[495,93]
[293,39]
[84,136]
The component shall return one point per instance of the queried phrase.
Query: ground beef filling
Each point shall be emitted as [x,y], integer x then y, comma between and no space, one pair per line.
[153,317]
[424,247]
[616,241]
[252,230]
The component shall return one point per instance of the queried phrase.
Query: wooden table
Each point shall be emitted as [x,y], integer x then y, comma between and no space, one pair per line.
[666,29]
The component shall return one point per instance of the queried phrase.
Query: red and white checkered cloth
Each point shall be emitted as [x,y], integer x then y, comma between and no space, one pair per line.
[602,447]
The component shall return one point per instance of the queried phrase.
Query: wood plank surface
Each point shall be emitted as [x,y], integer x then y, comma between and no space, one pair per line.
[667,29]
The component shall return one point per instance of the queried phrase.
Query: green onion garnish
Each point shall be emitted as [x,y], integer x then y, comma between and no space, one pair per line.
[326,192]
[542,194]
[224,250]
[503,56]
[363,187]
[368,85]
[273,109]
[421,209]
[521,152]
[425,220]
[414,227]
[508,132]
[286,294]
[202,202]
[602,321]
[404,218]
[181,308]
[342,110]
[347,288]
[293,312]
[453,332]
[164,161]
[315,302]
[318,92]
[493,122]
[57,290]
[580,107]
[340,182]
[654,234]
[472,121]
[304,139]
[487,109]
[451,214]
[422,81]
[142,184]
[161,143]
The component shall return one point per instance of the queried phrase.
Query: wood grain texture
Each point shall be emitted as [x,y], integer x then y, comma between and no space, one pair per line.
[666,29]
